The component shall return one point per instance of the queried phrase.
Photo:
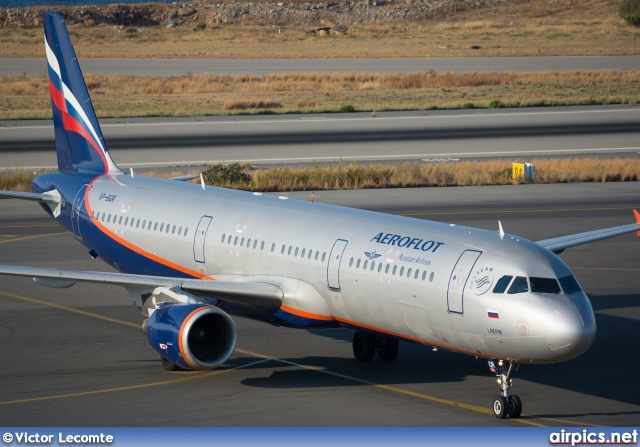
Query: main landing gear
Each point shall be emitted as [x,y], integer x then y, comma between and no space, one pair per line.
[168,365]
[366,345]
[505,404]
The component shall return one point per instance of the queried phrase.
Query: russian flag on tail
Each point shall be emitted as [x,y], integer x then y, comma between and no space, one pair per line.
[492,314]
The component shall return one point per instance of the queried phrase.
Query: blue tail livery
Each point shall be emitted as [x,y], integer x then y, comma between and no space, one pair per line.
[79,142]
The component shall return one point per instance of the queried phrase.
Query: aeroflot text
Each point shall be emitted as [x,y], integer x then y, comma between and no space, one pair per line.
[407,241]
[37,438]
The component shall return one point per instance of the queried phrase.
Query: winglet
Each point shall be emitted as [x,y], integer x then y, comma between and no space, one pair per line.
[202,181]
[501,230]
[637,219]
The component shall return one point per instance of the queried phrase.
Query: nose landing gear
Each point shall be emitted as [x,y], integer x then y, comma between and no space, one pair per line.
[505,404]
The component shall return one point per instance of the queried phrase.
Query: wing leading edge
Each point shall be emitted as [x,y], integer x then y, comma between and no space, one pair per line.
[559,244]
[259,294]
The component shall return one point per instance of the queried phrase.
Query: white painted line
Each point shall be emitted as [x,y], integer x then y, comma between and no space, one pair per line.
[342,118]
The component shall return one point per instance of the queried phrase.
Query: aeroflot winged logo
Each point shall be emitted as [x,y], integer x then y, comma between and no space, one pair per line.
[407,241]
[372,255]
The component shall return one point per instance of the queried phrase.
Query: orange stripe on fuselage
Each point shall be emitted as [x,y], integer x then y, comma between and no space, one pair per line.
[304,314]
[135,248]
[301,313]
[408,337]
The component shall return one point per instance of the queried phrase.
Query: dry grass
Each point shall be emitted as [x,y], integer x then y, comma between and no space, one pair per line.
[23,97]
[353,176]
[522,28]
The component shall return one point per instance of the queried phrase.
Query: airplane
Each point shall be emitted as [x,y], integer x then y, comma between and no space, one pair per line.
[187,253]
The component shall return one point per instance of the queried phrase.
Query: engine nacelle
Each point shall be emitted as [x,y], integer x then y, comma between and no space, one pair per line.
[193,336]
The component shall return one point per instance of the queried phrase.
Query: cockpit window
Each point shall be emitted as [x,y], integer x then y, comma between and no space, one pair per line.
[502,284]
[544,285]
[569,284]
[519,285]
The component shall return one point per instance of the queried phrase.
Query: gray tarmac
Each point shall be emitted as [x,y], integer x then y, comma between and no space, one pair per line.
[77,357]
[612,131]
[263,67]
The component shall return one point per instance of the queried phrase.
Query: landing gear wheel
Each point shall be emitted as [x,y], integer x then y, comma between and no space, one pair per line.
[500,407]
[506,404]
[387,348]
[514,406]
[364,346]
[169,366]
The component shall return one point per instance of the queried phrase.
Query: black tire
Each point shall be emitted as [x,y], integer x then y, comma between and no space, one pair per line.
[514,406]
[387,348]
[500,407]
[364,346]
[169,366]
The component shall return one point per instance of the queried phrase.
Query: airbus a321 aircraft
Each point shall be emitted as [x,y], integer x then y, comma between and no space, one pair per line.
[388,278]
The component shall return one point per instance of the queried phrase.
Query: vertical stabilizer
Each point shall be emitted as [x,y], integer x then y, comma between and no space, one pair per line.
[79,142]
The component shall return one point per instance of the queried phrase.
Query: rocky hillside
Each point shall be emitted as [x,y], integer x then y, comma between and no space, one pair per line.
[261,13]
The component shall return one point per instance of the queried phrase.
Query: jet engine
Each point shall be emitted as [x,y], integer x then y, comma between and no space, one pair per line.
[193,336]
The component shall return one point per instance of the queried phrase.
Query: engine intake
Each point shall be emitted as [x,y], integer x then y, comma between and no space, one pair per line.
[194,336]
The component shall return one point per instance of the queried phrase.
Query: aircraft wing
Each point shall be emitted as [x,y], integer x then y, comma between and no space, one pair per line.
[259,294]
[559,244]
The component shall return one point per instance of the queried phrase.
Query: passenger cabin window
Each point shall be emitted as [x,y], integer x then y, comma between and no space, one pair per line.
[386,269]
[186,230]
[569,284]
[324,255]
[365,264]
[373,264]
[358,264]
[350,262]
[519,285]
[395,267]
[379,267]
[544,285]
[431,276]
[502,284]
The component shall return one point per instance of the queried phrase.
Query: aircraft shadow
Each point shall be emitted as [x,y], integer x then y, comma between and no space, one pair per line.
[608,369]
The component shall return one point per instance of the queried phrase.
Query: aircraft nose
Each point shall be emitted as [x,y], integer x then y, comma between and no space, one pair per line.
[569,332]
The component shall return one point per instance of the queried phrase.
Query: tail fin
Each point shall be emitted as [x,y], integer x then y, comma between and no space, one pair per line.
[79,142]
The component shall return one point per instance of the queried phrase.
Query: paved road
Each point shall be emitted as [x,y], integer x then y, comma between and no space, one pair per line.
[262,67]
[77,357]
[391,137]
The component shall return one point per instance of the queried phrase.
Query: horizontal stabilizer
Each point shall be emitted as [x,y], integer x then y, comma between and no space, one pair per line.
[185,178]
[49,197]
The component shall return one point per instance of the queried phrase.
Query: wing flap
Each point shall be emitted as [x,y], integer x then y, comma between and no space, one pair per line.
[559,244]
[259,294]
